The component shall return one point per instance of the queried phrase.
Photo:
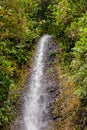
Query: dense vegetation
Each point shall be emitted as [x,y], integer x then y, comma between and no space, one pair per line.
[22,22]
[19,30]
[66,21]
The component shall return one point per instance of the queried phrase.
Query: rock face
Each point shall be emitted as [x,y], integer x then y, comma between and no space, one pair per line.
[51,78]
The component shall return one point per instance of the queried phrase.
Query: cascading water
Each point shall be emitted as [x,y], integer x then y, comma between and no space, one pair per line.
[35,102]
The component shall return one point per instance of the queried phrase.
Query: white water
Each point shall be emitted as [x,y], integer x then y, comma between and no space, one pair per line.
[35,99]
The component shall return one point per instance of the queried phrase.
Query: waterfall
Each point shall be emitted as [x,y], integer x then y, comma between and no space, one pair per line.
[36,97]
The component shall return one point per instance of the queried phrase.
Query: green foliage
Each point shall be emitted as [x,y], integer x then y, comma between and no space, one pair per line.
[79,63]
[18,33]
[22,22]
[66,20]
